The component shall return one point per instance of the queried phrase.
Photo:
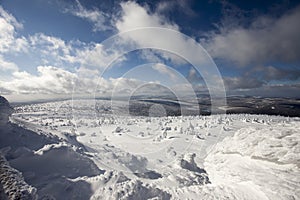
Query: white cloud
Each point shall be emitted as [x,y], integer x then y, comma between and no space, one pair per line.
[150,55]
[95,55]
[50,80]
[10,19]
[266,39]
[7,66]
[124,86]
[53,82]
[57,51]
[163,69]
[54,51]
[85,72]
[56,81]
[8,39]
[50,48]
[134,16]
[98,18]
[9,42]
[50,43]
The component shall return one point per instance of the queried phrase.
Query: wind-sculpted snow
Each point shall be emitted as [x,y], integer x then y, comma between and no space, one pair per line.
[81,150]
[47,167]
[133,189]
[279,145]
[263,161]
[46,160]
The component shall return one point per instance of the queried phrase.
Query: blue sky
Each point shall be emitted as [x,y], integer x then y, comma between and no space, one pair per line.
[48,48]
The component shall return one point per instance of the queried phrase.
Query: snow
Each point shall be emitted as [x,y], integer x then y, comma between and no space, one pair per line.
[81,150]
[259,160]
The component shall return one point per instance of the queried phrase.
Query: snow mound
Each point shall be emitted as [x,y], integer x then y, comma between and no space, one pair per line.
[132,189]
[186,172]
[49,147]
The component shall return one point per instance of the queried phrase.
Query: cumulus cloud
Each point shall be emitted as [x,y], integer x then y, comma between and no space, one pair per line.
[163,69]
[56,51]
[8,39]
[150,55]
[135,16]
[7,66]
[52,50]
[266,39]
[95,55]
[54,80]
[98,18]
[50,44]
[50,80]
[124,86]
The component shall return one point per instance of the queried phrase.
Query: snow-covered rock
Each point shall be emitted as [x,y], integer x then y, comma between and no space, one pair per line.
[13,183]
[5,111]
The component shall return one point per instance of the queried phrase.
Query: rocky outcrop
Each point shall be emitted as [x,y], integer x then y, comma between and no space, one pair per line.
[5,111]
[12,181]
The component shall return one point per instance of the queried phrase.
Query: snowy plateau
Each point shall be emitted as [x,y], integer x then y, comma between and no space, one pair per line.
[79,149]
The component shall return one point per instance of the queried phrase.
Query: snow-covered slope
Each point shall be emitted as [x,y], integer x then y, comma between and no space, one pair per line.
[76,150]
